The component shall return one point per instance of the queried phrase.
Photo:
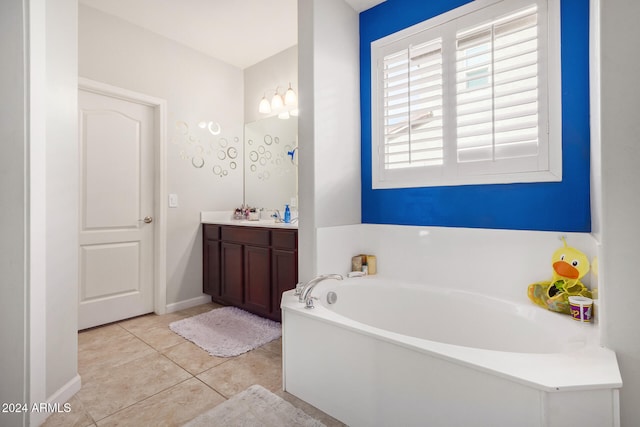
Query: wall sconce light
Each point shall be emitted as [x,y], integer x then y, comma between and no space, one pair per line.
[284,105]
[265,107]
[290,97]
[277,102]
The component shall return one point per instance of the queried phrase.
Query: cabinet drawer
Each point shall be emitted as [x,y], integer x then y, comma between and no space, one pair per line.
[211,232]
[284,239]
[247,235]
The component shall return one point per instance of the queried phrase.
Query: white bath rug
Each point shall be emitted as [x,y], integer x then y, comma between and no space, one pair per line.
[254,407]
[227,331]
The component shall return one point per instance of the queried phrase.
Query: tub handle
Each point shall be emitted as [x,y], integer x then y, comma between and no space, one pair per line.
[332,297]
[309,302]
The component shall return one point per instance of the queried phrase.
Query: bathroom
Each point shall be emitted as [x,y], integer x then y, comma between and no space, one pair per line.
[605,213]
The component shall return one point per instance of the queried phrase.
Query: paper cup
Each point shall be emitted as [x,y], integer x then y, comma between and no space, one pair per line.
[581,308]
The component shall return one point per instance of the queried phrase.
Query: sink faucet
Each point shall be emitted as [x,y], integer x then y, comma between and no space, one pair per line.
[276,215]
[305,293]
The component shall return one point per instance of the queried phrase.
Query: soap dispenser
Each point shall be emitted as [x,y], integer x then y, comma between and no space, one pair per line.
[287,214]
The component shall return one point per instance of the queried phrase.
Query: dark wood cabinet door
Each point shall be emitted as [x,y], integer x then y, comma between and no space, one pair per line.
[284,271]
[232,273]
[211,271]
[257,279]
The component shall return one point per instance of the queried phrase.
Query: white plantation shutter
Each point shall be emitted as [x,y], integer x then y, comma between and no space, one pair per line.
[497,89]
[413,106]
[471,96]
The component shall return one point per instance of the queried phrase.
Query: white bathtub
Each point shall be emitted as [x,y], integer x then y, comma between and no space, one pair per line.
[389,353]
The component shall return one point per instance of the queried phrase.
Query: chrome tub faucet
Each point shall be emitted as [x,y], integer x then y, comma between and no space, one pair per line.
[304,291]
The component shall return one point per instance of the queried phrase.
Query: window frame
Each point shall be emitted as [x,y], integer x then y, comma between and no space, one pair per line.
[547,165]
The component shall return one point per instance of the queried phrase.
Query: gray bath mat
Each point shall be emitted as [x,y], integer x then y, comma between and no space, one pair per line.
[227,331]
[254,407]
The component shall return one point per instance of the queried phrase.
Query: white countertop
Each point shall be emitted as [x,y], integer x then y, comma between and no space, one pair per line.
[224,218]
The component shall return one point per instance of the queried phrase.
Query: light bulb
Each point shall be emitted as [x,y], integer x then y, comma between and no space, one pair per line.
[276,101]
[290,97]
[265,107]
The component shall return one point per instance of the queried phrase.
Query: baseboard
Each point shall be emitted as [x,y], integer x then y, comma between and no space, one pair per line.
[56,400]
[181,305]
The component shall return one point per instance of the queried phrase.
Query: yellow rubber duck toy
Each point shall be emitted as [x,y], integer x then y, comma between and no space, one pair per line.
[569,266]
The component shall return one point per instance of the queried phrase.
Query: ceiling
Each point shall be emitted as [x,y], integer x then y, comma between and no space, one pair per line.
[239,32]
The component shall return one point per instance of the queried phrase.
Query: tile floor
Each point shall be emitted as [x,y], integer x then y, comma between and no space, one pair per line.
[137,372]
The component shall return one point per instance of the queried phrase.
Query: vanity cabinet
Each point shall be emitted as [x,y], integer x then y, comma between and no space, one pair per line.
[211,261]
[249,267]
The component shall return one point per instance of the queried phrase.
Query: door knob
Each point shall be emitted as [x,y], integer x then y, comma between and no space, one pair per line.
[147,220]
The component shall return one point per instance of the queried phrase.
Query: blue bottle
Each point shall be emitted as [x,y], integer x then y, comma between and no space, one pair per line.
[287,214]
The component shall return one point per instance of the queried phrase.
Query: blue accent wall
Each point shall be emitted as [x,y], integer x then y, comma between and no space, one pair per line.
[556,206]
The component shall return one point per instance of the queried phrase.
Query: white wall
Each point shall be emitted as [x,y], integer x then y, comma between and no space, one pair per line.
[499,263]
[38,176]
[38,206]
[329,131]
[594,98]
[14,214]
[306,127]
[196,87]
[62,194]
[620,157]
[262,79]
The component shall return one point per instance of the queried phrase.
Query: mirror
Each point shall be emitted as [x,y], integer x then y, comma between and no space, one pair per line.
[271,163]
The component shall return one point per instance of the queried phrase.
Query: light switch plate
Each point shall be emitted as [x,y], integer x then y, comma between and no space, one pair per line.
[173,200]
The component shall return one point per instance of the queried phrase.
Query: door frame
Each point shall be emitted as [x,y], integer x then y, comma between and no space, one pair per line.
[159,181]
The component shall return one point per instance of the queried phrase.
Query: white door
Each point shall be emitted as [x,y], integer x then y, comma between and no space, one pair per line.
[116,209]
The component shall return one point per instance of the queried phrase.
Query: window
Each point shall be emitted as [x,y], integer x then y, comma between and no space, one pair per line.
[413,97]
[469,97]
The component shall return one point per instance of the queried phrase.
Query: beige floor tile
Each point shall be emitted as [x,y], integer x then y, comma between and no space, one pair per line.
[77,417]
[150,321]
[192,358]
[193,311]
[160,337]
[310,410]
[101,334]
[138,372]
[113,389]
[274,346]
[256,367]
[171,407]
[97,355]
